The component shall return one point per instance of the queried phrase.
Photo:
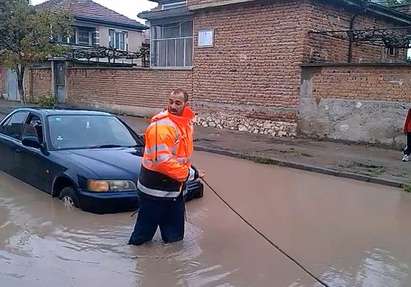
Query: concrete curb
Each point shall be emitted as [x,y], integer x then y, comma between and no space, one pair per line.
[306,167]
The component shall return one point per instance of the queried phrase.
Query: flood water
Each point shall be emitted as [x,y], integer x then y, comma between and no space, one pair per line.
[346,232]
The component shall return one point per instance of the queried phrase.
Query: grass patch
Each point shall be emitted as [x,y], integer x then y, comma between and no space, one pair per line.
[295,152]
[261,160]
[364,168]
[407,187]
[256,159]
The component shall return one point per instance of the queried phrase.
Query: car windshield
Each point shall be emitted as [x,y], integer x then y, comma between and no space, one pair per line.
[88,131]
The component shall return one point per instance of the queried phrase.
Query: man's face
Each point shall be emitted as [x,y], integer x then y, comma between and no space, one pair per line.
[176,104]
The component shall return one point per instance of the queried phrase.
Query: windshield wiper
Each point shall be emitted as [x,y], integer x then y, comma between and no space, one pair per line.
[106,146]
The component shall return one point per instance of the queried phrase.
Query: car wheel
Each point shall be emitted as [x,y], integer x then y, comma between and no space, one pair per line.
[69,198]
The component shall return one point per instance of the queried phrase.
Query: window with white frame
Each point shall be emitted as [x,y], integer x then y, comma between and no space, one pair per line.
[174,5]
[84,36]
[118,39]
[172,45]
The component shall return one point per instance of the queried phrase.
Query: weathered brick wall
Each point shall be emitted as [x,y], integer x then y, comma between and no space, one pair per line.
[361,103]
[250,79]
[38,83]
[327,17]
[136,91]
[381,83]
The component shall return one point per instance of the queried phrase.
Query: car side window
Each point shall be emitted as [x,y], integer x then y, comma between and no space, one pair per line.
[33,128]
[13,127]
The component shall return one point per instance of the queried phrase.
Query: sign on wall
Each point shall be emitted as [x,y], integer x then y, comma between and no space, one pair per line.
[206,38]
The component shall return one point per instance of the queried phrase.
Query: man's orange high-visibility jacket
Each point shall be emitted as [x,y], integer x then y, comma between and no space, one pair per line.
[166,164]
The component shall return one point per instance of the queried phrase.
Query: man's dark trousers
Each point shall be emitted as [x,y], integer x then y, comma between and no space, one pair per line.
[168,214]
[407,149]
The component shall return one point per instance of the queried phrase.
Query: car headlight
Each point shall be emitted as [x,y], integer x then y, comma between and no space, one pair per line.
[110,185]
[122,185]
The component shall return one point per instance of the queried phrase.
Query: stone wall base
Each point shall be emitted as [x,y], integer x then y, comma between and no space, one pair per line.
[243,124]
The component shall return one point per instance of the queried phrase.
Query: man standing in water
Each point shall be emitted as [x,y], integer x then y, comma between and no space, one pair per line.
[165,169]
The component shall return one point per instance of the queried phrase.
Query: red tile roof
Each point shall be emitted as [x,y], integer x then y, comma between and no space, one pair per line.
[87,9]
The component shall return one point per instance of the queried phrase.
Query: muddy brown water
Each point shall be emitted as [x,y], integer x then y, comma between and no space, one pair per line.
[346,232]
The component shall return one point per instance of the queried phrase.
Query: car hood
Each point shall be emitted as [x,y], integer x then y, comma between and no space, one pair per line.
[107,163]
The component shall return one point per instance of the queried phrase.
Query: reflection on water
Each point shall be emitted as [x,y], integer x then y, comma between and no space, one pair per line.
[42,244]
[330,225]
[377,268]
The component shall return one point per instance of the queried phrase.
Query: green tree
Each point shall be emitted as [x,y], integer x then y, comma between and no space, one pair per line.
[27,36]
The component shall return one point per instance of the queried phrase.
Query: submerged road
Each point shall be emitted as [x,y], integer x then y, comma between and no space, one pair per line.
[347,233]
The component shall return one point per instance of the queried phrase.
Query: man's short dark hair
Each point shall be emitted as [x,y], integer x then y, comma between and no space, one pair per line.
[181,91]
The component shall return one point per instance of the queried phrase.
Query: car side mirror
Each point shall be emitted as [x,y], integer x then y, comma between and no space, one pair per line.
[31,142]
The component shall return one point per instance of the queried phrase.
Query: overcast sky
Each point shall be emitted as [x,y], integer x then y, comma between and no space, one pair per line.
[130,8]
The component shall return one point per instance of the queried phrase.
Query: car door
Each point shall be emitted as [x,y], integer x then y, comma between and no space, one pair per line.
[10,137]
[35,162]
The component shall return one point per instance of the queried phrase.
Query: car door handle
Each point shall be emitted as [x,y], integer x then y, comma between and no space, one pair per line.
[18,150]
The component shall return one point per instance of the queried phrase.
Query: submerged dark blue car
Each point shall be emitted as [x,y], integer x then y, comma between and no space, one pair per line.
[88,159]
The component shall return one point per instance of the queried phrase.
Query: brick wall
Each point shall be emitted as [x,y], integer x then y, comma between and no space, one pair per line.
[381,83]
[137,91]
[361,103]
[251,78]
[38,83]
[325,16]
[252,72]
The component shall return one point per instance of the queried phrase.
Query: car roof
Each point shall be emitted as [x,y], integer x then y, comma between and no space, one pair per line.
[62,112]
